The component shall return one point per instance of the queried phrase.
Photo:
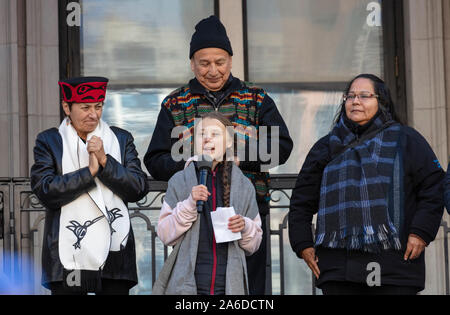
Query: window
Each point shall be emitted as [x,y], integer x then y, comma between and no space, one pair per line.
[142,46]
[313,40]
[304,53]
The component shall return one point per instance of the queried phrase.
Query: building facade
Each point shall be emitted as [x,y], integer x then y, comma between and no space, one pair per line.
[302,51]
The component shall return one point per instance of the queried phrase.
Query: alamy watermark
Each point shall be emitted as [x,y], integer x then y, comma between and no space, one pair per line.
[250,144]
[74,15]
[374,17]
[73,279]
[374,277]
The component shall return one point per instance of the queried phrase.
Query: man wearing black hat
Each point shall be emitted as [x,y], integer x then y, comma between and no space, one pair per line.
[215,89]
[84,173]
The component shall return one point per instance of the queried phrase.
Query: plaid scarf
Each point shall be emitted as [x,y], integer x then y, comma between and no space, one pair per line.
[360,196]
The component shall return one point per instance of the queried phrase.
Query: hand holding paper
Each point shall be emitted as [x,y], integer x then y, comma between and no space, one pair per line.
[222,224]
[236,224]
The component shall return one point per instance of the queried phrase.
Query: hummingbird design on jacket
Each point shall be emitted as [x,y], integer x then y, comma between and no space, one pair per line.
[113,215]
[81,230]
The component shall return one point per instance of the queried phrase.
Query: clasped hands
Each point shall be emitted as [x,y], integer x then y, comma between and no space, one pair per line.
[97,154]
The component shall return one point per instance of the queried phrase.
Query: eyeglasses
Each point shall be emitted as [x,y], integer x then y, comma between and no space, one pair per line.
[363,97]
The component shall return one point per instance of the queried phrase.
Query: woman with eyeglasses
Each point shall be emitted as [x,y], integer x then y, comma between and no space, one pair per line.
[377,189]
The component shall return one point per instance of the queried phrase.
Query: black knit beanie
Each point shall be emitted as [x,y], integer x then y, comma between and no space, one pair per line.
[210,33]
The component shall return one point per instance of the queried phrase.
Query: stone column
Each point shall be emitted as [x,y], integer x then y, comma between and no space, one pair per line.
[42,93]
[425,72]
[231,16]
[13,106]
[446,21]
[42,68]
[29,96]
[28,90]
[426,100]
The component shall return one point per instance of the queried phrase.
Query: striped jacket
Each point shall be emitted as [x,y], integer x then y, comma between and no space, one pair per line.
[243,104]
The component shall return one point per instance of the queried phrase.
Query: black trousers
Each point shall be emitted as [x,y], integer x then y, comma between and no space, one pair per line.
[351,288]
[256,265]
[109,287]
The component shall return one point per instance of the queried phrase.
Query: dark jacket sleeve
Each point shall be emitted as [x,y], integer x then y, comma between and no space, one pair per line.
[126,180]
[305,197]
[447,189]
[158,159]
[269,116]
[52,189]
[428,180]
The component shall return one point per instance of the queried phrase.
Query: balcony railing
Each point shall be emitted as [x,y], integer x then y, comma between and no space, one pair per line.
[22,215]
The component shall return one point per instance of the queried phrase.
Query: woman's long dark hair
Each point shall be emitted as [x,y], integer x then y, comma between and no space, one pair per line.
[385,102]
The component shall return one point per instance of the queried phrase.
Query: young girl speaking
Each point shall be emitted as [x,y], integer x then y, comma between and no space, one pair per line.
[197,264]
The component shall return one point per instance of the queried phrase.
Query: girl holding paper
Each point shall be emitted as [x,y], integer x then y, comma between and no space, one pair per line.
[198,264]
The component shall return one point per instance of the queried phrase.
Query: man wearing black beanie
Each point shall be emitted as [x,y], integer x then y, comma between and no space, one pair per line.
[215,89]
[210,32]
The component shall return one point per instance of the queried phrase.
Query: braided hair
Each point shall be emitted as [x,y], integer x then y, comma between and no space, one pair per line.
[225,165]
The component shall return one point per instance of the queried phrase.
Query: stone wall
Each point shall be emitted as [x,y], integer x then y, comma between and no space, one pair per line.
[29,91]
[428,91]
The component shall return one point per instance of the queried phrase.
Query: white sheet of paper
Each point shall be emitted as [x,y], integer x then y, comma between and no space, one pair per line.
[219,220]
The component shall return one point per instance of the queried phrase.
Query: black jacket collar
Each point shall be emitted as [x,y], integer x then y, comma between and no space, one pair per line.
[232,84]
[361,129]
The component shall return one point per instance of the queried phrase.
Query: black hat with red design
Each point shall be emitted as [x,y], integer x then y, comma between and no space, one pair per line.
[84,89]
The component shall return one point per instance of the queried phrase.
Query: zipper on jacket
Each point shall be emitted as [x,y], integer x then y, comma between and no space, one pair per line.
[213,100]
[213,278]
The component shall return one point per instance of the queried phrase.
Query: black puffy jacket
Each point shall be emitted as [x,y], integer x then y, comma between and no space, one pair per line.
[423,209]
[54,190]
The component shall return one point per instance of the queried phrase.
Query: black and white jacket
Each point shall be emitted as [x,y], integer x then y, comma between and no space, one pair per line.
[54,190]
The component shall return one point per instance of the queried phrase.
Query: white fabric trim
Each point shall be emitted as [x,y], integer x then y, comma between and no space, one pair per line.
[98,221]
